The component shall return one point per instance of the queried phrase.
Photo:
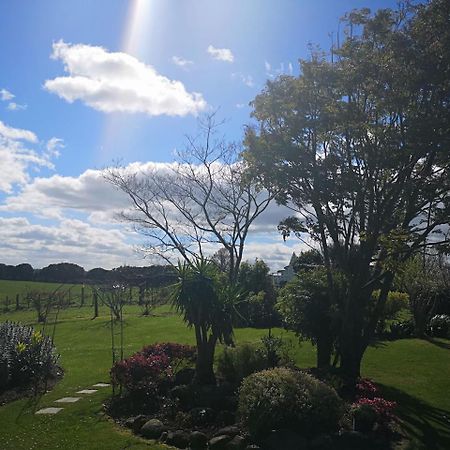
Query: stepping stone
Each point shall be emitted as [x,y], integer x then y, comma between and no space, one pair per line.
[49,411]
[67,400]
[102,385]
[87,391]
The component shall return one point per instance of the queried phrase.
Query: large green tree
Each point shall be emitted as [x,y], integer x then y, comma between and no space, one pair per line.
[359,146]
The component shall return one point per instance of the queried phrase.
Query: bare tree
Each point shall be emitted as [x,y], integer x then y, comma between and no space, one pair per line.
[203,199]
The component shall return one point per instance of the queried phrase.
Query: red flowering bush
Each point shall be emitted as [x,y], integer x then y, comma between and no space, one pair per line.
[365,388]
[150,371]
[369,403]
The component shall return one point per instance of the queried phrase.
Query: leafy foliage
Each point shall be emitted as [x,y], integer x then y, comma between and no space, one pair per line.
[207,303]
[306,309]
[257,309]
[150,372]
[370,405]
[358,146]
[26,356]
[284,398]
[439,326]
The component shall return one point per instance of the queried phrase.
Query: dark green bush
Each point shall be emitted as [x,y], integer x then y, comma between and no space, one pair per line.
[26,355]
[282,398]
[401,329]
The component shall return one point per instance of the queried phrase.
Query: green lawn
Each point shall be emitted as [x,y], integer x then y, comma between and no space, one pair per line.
[415,373]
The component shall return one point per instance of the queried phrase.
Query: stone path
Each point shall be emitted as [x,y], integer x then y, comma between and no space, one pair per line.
[84,392]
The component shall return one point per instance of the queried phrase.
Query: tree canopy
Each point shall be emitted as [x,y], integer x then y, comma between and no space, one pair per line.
[358,145]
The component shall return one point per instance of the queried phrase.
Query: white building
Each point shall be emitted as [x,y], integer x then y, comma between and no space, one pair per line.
[282,276]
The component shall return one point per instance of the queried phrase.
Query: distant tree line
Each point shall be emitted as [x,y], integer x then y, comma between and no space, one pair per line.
[151,276]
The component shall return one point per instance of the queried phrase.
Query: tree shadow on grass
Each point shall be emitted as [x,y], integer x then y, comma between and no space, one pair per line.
[439,343]
[422,422]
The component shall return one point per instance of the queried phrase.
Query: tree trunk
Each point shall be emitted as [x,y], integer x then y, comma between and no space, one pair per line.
[324,350]
[204,371]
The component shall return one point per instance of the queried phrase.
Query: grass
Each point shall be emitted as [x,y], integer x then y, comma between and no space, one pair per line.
[413,372]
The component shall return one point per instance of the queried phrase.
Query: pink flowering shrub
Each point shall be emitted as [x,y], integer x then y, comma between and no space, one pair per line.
[369,403]
[151,370]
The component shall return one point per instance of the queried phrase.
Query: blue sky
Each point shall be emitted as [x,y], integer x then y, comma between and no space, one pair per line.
[84,83]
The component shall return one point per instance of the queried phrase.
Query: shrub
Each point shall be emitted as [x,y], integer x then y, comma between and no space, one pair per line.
[383,409]
[150,372]
[401,329]
[26,356]
[234,364]
[439,326]
[370,407]
[284,398]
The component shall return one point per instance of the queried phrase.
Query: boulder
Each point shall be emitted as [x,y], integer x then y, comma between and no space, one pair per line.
[153,429]
[178,439]
[135,423]
[219,442]
[231,430]
[237,443]
[198,440]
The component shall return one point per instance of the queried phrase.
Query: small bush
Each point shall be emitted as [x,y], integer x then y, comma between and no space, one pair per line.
[150,372]
[370,407]
[26,356]
[383,409]
[439,326]
[284,398]
[234,364]
[401,329]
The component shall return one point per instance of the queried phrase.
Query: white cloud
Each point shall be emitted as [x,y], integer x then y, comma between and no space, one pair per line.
[13,106]
[221,54]
[17,159]
[116,81]
[181,62]
[273,72]
[6,95]
[94,203]
[16,133]
[53,146]
[67,240]
[245,79]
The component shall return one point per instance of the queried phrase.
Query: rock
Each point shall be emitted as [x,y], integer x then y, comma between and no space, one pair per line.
[135,423]
[284,439]
[219,442]
[164,436]
[253,447]
[153,429]
[184,376]
[202,416]
[231,430]
[179,439]
[225,417]
[237,443]
[198,440]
